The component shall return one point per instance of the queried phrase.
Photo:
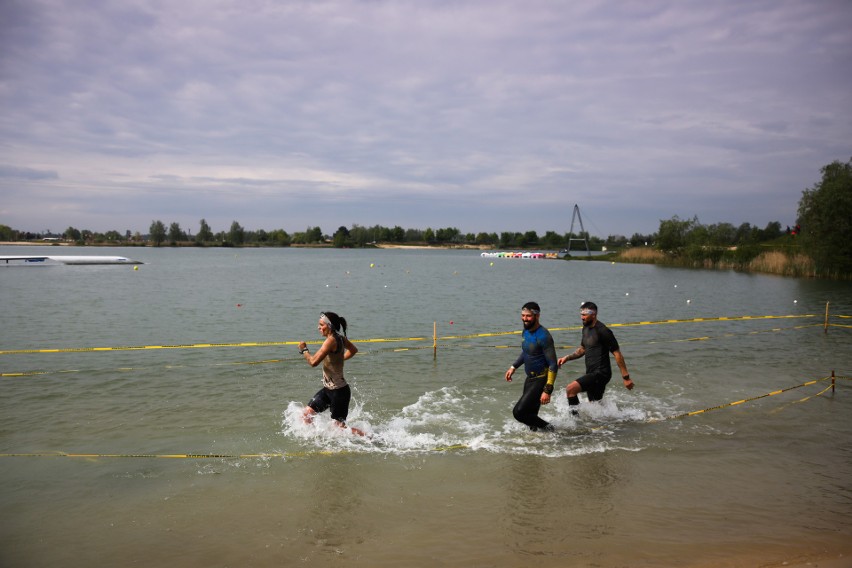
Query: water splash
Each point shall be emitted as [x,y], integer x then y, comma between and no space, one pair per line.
[455,418]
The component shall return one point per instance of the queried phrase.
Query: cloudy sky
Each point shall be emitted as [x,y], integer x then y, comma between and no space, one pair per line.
[484,115]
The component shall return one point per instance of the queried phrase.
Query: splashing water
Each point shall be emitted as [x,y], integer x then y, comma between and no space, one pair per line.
[453,418]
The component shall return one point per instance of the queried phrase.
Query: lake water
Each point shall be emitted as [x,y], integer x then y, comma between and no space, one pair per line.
[447,477]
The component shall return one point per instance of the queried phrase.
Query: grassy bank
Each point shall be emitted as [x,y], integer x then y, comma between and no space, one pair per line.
[746,260]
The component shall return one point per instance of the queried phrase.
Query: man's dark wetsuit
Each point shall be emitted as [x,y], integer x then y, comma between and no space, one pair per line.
[538,356]
[599,342]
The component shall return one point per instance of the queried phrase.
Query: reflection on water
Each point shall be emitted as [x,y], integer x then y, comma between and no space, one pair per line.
[336,500]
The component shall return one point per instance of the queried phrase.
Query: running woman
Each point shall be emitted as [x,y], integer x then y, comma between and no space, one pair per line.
[335,392]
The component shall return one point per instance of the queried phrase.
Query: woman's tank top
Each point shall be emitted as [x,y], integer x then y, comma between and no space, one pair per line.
[332,367]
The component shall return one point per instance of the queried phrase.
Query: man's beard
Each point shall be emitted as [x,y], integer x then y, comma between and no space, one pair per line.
[529,324]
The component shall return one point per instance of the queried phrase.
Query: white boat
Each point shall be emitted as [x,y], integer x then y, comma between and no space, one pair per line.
[71,259]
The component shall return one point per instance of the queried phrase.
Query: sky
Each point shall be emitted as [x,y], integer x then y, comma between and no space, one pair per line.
[482,115]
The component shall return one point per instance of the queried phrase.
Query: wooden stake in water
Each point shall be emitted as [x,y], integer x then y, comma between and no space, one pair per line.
[434,340]
[825,325]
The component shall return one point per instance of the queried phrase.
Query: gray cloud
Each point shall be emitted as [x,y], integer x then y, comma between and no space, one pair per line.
[13,172]
[485,115]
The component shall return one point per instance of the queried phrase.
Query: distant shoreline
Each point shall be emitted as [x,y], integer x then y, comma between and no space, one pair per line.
[33,244]
[380,245]
[439,247]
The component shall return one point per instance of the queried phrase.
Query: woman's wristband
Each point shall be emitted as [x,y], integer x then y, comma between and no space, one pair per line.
[626,377]
[303,351]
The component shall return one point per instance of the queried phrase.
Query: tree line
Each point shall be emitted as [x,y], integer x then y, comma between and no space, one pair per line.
[823,230]
[159,234]
[673,234]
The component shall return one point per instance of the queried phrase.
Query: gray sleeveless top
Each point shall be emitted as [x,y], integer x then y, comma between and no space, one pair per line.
[332,367]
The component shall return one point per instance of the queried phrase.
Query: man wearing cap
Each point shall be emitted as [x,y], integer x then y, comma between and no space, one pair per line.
[538,355]
[596,345]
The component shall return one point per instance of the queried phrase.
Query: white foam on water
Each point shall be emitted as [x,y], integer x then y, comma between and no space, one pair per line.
[454,418]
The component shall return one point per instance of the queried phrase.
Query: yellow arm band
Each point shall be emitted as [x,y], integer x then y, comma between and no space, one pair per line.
[551,377]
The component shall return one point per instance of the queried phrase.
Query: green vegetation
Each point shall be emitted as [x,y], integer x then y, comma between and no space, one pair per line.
[825,214]
[820,245]
[690,243]
[355,237]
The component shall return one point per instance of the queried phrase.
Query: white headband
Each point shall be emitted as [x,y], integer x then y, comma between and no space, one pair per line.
[324,319]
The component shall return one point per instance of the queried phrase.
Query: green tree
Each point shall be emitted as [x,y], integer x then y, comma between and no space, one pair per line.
[313,235]
[341,237]
[205,235]
[825,216]
[157,232]
[530,239]
[616,241]
[237,235]
[175,233]
[72,234]
[280,238]
[640,240]
[447,235]
[509,239]
[413,235]
[381,234]
[6,233]
[772,231]
[486,239]
[672,234]
[552,240]
[723,234]
[747,235]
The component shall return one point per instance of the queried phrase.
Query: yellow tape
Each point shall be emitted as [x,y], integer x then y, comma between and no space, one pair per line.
[738,402]
[448,448]
[415,348]
[374,340]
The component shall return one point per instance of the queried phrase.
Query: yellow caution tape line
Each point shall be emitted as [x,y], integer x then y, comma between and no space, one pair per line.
[19,374]
[700,320]
[160,456]
[448,448]
[192,346]
[743,401]
[375,340]
[807,398]
[144,347]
